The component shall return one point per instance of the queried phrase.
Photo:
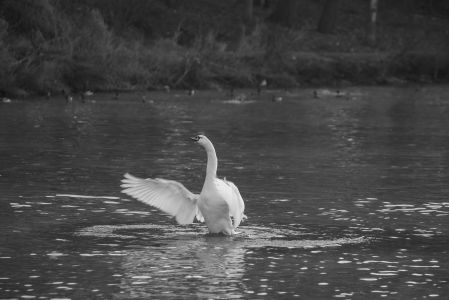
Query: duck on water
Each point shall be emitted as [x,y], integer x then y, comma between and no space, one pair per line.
[218,201]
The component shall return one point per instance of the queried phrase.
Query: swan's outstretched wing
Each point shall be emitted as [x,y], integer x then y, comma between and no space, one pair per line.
[167,195]
[234,200]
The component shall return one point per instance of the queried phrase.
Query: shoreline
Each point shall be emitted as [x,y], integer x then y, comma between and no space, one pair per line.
[240,96]
[296,70]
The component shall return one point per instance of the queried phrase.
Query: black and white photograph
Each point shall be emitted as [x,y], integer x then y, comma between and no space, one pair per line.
[239,149]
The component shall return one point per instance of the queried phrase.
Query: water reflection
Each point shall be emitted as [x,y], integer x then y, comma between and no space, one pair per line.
[205,268]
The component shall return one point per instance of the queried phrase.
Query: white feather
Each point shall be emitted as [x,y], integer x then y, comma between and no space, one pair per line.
[236,204]
[218,202]
[167,195]
[231,195]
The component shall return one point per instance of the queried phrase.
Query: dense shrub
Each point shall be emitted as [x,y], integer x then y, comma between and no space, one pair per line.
[51,46]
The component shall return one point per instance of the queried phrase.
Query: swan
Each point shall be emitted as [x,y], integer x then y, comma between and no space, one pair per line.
[218,201]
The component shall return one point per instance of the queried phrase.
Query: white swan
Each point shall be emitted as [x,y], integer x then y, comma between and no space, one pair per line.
[218,201]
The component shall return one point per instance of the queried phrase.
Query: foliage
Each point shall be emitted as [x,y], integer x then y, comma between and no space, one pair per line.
[50,46]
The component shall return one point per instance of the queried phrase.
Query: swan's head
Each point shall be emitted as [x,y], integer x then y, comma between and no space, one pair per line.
[202,140]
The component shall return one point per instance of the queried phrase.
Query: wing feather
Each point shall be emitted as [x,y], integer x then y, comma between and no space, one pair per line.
[169,196]
[231,195]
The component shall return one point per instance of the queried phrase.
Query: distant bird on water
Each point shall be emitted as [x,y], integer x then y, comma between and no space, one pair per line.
[146,101]
[262,85]
[68,98]
[329,93]
[241,97]
[275,98]
[218,201]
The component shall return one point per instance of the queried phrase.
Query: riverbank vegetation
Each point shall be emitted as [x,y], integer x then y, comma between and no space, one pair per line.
[51,46]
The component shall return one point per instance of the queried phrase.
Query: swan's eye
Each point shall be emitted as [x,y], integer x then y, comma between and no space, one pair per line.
[196,138]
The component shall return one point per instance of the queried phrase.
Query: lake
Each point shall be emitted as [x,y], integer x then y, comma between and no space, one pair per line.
[347,196]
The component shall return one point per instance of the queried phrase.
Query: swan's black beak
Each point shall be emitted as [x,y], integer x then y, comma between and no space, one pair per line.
[195,138]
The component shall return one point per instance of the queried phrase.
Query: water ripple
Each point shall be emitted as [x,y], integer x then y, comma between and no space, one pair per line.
[248,237]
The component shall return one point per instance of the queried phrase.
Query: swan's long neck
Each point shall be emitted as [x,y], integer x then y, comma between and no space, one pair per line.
[212,162]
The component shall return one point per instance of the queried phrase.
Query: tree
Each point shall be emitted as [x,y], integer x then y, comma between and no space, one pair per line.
[248,11]
[285,13]
[244,22]
[373,21]
[328,18]
[29,16]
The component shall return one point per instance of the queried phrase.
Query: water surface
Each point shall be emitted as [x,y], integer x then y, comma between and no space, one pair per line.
[347,197]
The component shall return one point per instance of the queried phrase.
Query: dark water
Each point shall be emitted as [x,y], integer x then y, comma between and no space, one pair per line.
[347,198]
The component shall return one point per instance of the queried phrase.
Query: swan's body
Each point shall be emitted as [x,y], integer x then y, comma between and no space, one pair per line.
[218,201]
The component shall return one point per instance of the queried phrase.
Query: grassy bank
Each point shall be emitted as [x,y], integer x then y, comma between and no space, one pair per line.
[50,47]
